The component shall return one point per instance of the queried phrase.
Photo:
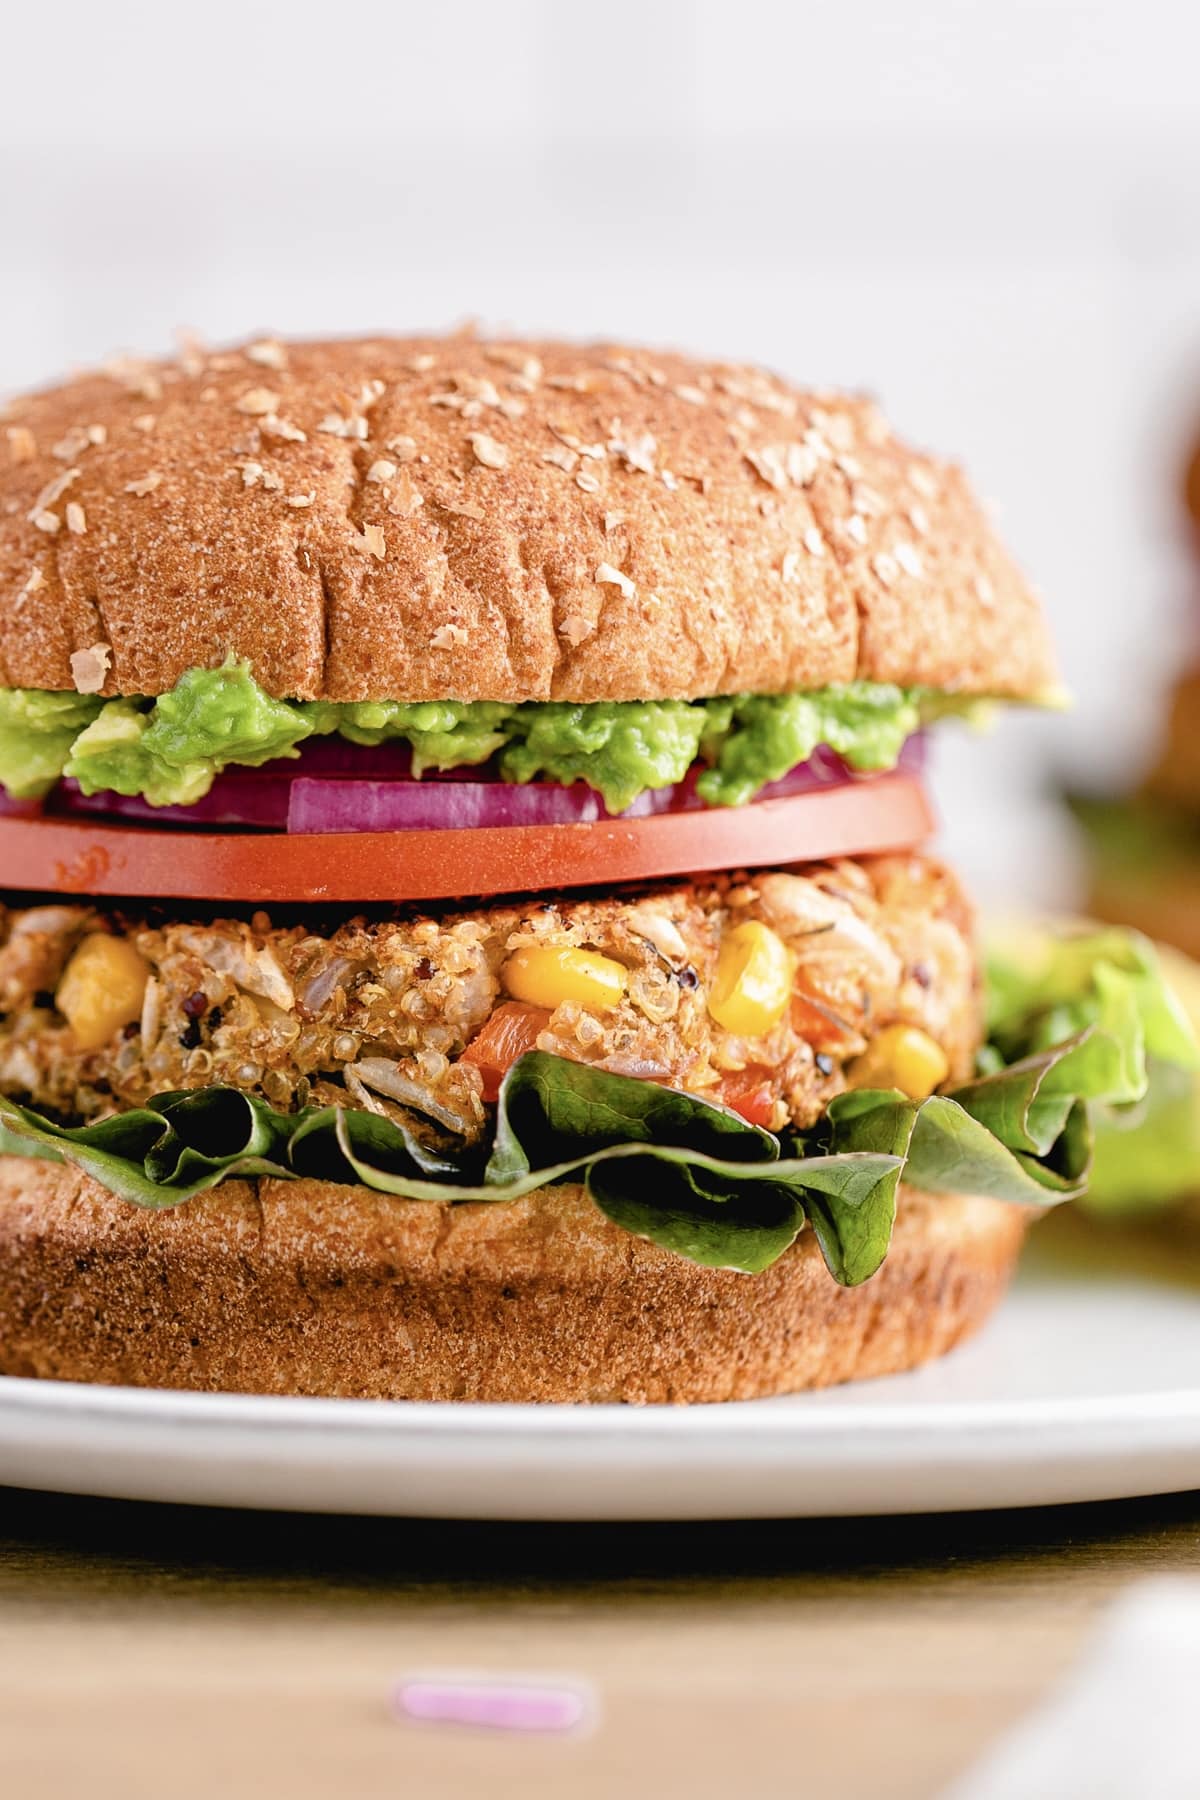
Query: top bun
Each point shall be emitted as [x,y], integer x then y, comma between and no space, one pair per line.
[455,518]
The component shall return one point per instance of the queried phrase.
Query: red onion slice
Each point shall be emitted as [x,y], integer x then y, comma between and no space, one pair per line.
[330,804]
[249,798]
[12,808]
[334,786]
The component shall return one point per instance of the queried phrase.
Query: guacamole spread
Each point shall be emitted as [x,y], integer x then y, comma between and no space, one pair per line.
[170,749]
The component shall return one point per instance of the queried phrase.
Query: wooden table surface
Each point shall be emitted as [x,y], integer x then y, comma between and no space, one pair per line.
[170,1652]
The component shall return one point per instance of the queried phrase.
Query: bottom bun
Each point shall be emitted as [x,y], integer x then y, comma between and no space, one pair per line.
[308,1287]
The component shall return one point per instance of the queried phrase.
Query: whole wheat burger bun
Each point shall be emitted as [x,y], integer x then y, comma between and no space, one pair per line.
[309,1287]
[433,518]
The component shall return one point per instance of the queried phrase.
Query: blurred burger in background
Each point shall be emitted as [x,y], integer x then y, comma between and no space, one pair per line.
[1143,871]
[1143,846]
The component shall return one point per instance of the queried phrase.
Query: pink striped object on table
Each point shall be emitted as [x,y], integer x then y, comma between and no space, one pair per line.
[494,1705]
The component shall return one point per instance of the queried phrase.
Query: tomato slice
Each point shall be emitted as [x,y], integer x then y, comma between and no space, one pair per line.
[72,856]
[511,1031]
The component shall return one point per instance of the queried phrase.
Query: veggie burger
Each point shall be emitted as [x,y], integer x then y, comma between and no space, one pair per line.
[465,931]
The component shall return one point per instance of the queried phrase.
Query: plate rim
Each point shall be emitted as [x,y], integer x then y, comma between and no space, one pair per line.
[782,1416]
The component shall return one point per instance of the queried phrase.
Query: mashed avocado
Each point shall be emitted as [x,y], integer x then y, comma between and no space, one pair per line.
[768,734]
[37,730]
[171,752]
[444,734]
[618,748]
[170,749]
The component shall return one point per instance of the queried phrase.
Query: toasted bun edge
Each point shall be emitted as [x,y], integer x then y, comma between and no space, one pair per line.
[313,1288]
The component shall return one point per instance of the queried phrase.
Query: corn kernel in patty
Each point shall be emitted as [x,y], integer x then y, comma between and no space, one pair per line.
[550,975]
[901,1057]
[753,982]
[102,989]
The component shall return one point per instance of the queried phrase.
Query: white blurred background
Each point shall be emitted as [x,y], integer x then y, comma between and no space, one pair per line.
[986,210]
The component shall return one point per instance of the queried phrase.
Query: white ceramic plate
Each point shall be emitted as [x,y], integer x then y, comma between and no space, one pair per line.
[1085,1387]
